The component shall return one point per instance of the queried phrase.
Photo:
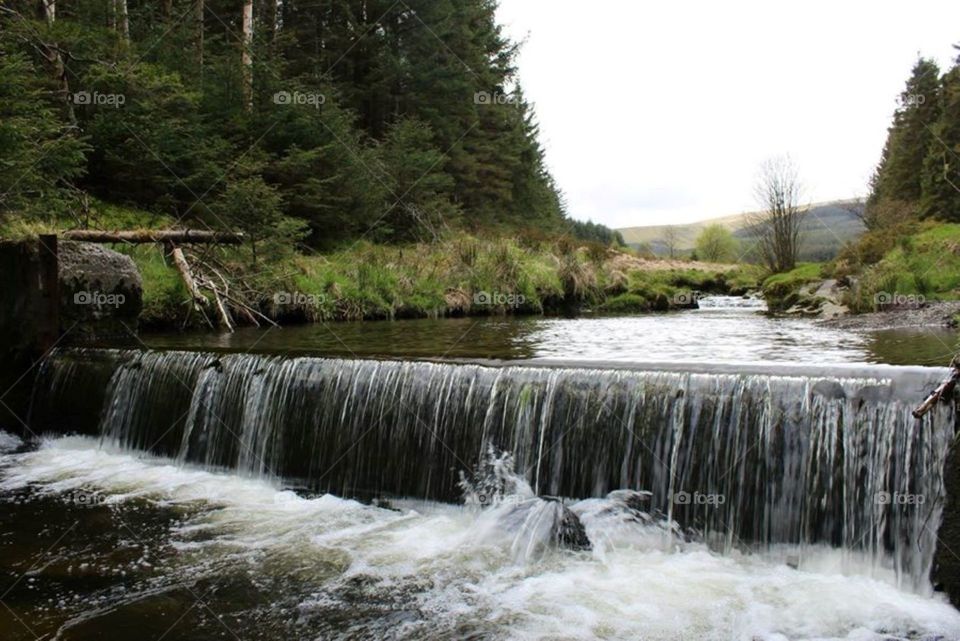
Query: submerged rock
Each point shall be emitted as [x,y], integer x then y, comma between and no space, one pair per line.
[570,532]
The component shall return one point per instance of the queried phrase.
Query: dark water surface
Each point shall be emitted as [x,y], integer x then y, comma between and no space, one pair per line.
[727,332]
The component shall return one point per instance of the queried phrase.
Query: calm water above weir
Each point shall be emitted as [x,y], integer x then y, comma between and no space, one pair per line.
[725,330]
[301,492]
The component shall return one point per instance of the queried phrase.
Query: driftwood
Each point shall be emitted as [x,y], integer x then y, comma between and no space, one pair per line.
[198,273]
[942,392]
[225,321]
[139,236]
[180,262]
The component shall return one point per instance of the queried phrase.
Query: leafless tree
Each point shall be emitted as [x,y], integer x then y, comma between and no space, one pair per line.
[670,240]
[777,225]
[857,207]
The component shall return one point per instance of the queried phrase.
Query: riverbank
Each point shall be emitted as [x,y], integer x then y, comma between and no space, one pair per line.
[934,314]
[887,280]
[462,275]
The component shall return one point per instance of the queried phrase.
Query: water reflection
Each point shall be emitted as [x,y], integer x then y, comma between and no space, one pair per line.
[913,346]
[715,333]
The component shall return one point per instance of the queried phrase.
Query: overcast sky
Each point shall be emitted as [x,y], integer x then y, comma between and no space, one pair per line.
[656,112]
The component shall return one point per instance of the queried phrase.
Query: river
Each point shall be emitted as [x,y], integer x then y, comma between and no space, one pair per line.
[723,475]
[724,330]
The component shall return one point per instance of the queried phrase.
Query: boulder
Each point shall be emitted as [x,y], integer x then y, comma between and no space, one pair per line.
[101,291]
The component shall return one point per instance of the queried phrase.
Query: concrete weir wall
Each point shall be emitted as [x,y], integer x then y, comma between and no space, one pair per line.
[57,293]
[946,573]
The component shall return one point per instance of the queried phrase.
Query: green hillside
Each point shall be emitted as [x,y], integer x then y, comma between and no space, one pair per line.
[828,226]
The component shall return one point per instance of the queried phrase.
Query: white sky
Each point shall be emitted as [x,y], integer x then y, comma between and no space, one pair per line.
[656,112]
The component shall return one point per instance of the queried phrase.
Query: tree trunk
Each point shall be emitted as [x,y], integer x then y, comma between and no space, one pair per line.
[49,10]
[55,60]
[140,236]
[246,55]
[123,19]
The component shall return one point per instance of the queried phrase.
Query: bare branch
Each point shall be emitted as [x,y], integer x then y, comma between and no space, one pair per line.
[777,225]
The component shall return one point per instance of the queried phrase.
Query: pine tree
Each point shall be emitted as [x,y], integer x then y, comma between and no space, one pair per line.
[40,154]
[910,137]
[420,123]
[420,190]
[941,169]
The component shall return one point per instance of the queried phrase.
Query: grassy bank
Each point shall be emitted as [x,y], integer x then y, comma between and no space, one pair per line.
[462,274]
[900,267]
[920,264]
[786,290]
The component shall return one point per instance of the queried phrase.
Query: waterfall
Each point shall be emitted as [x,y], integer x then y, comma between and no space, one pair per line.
[744,459]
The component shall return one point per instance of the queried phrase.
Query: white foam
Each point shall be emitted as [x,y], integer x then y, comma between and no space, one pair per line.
[9,442]
[628,587]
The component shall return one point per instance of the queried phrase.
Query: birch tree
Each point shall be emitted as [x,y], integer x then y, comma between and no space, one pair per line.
[246,54]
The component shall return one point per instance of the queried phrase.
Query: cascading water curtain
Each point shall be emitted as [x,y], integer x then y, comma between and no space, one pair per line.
[744,460]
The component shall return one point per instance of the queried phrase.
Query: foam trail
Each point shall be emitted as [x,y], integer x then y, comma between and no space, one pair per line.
[450,573]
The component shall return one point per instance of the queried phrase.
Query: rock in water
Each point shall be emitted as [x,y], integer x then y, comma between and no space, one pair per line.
[570,532]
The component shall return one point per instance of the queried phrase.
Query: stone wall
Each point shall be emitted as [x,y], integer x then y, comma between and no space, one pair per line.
[56,294]
[946,575]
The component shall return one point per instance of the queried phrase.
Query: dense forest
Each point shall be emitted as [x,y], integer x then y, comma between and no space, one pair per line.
[918,176]
[387,120]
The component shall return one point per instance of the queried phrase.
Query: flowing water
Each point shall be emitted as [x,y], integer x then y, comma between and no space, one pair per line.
[207,494]
[724,330]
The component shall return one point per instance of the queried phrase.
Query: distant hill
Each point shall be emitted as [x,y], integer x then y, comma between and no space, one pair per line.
[826,228]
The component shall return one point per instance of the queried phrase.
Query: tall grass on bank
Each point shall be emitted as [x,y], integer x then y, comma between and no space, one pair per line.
[919,266]
[528,272]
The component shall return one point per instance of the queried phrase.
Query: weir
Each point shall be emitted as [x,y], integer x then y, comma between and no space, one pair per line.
[744,457]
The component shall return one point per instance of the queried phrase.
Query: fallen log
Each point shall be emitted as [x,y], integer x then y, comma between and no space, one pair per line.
[180,261]
[140,236]
[943,390]
[225,321]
